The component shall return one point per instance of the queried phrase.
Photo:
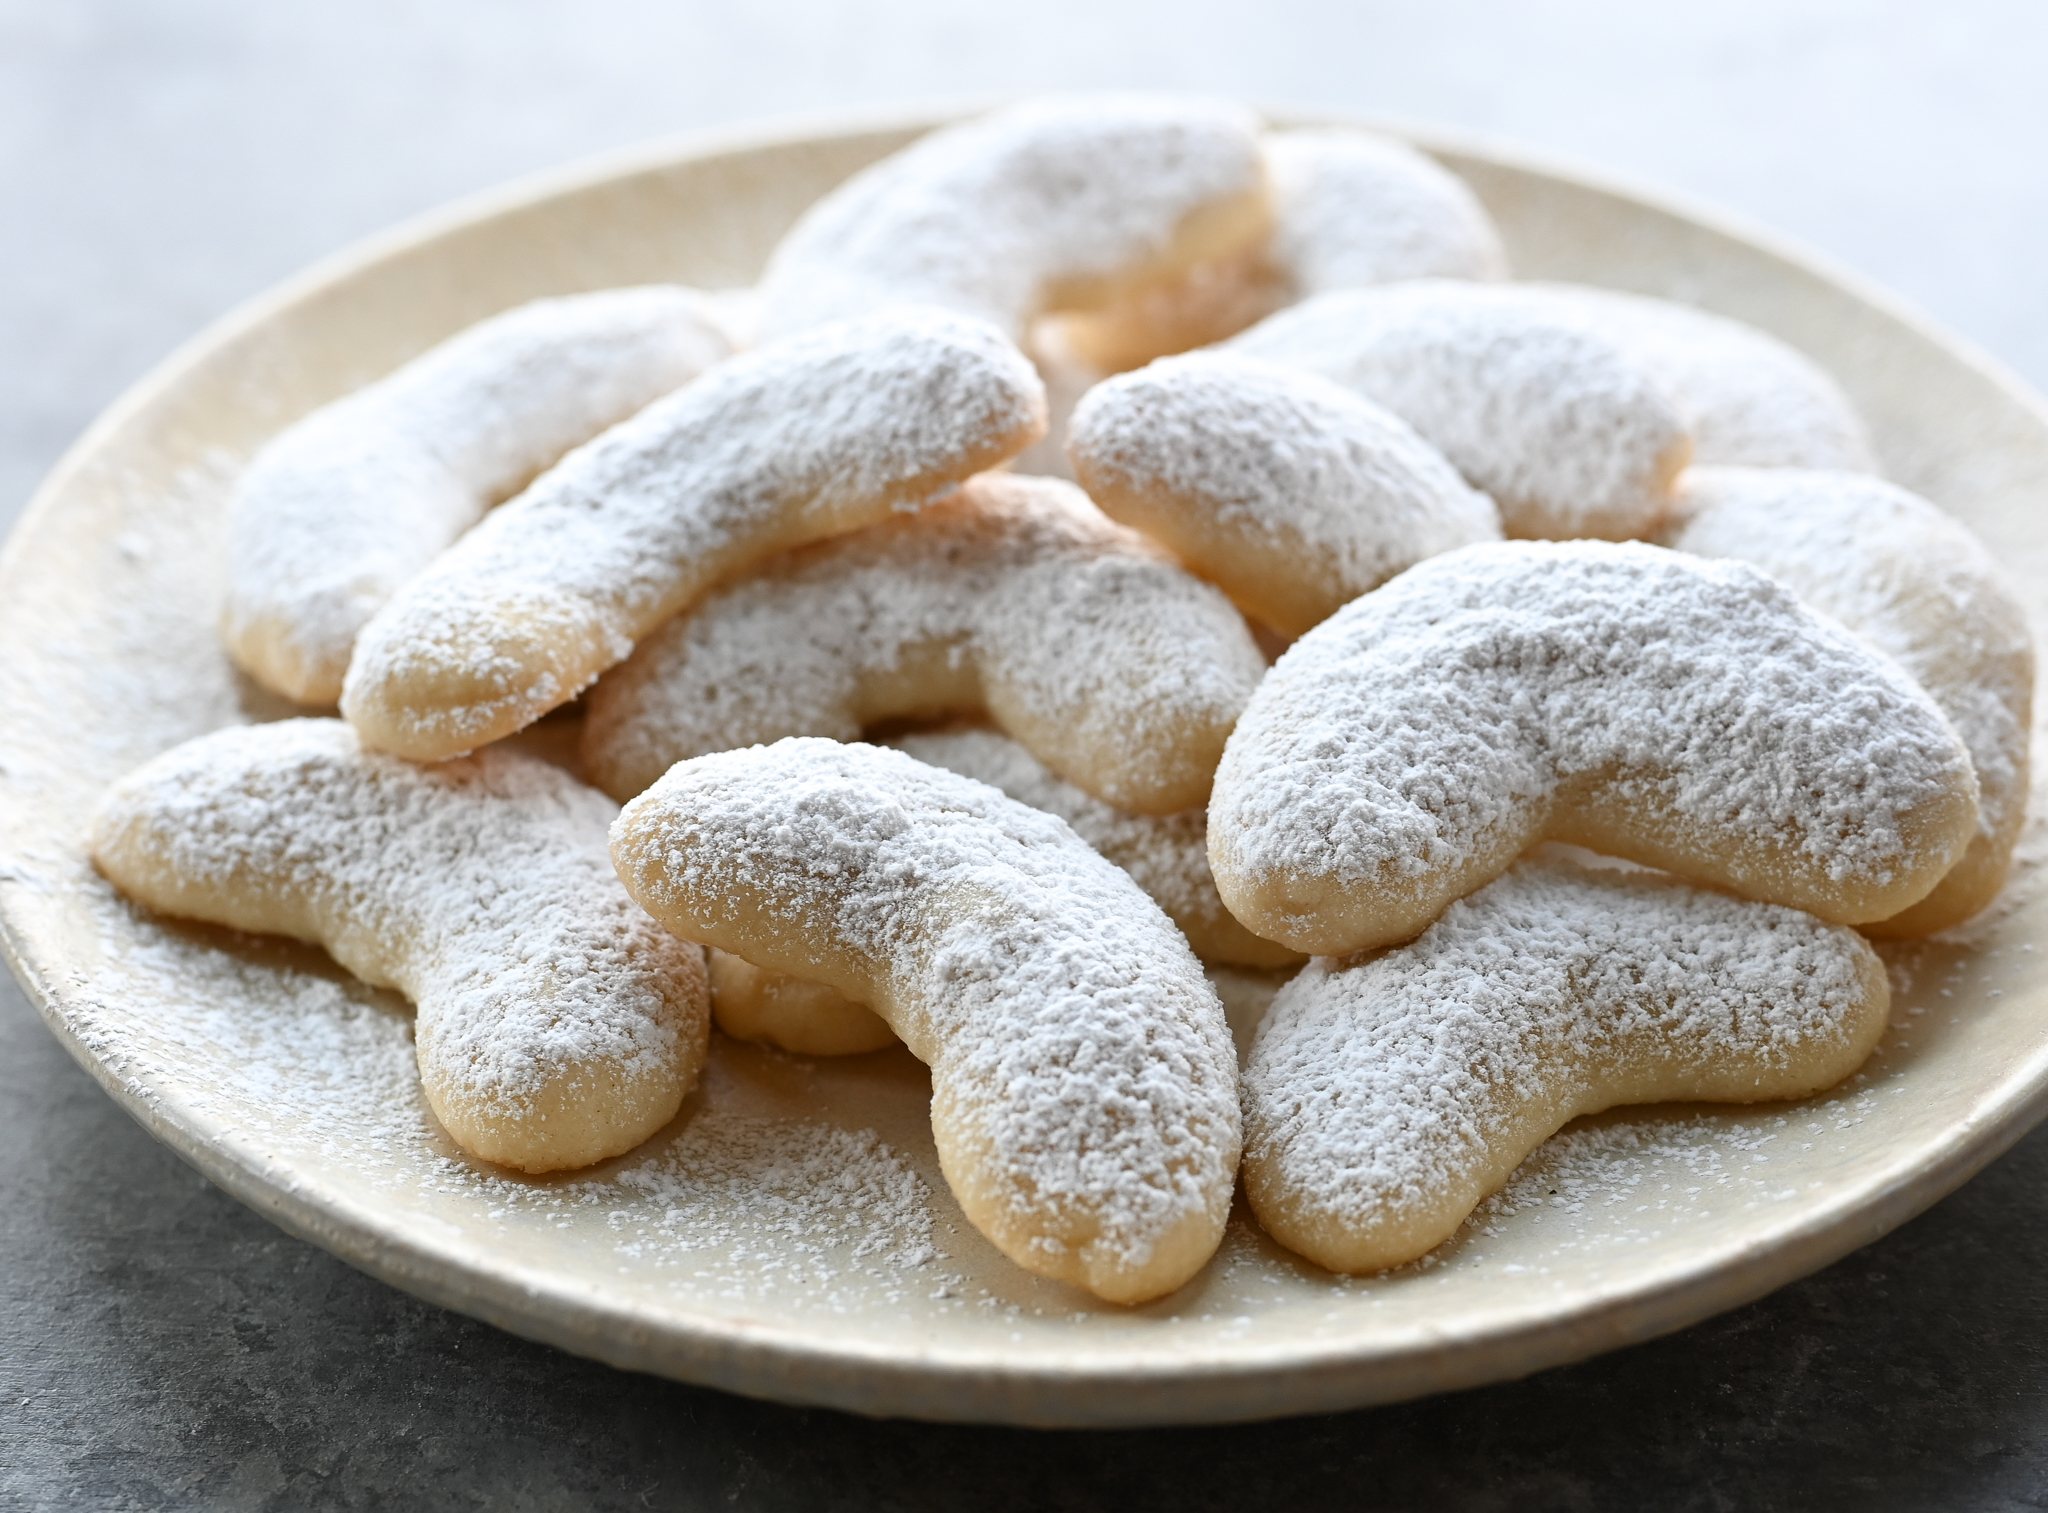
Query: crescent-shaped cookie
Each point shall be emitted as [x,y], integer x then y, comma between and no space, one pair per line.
[1915,584]
[1291,494]
[1385,1096]
[1084,1084]
[1075,203]
[347,504]
[802,439]
[1568,432]
[1354,208]
[1167,855]
[789,1013]
[558,1025]
[1349,208]
[1080,638]
[1748,398]
[1643,703]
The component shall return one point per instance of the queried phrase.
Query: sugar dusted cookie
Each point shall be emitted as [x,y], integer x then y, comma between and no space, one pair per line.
[798,440]
[347,504]
[790,1013]
[1386,1095]
[1292,494]
[1748,398]
[1915,584]
[1084,1084]
[1084,641]
[1350,208]
[1646,704]
[558,1025]
[1569,432]
[1353,208]
[1166,854]
[1073,203]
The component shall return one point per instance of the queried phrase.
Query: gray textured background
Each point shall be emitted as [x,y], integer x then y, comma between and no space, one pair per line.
[160,1346]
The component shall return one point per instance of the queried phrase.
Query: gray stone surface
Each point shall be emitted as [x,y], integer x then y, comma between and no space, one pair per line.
[160,1346]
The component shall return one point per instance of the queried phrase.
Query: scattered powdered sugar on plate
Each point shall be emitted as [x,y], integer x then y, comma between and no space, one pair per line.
[306,1062]
[266,1033]
[1600,1186]
[811,1189]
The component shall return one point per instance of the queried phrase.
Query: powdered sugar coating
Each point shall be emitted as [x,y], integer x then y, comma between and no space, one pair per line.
[1352,207]
[1293,494]
[1166,854]
[1568,432]
[558,1025]
[1055,203]
[1084,1081]
[1915,584]
[1349,208]
[1385,1097]
[1685,714]
[1080,638]
[799,440]
[345,505]
[1748,398]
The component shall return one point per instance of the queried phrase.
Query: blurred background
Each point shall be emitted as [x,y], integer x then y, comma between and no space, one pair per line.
[162,160]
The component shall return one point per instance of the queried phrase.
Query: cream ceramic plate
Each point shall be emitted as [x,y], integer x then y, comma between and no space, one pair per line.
[789,1236]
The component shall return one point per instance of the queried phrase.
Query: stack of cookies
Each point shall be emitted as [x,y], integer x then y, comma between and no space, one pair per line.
[1228,564]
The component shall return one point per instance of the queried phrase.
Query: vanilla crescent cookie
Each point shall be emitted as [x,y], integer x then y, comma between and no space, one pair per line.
[558,1025]
[1570,433]
[1166,855]
[1073,203]
[1084,1083]
[790,1013]
[1080,638]
[1290,493]
[1349,208]
[1643,703]
[1915,584]
[1385,1096]
[343,506]
[1353,207]
[802,439]
[1748,398]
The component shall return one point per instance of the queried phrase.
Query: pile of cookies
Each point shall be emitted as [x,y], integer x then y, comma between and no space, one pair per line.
[1228,564]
